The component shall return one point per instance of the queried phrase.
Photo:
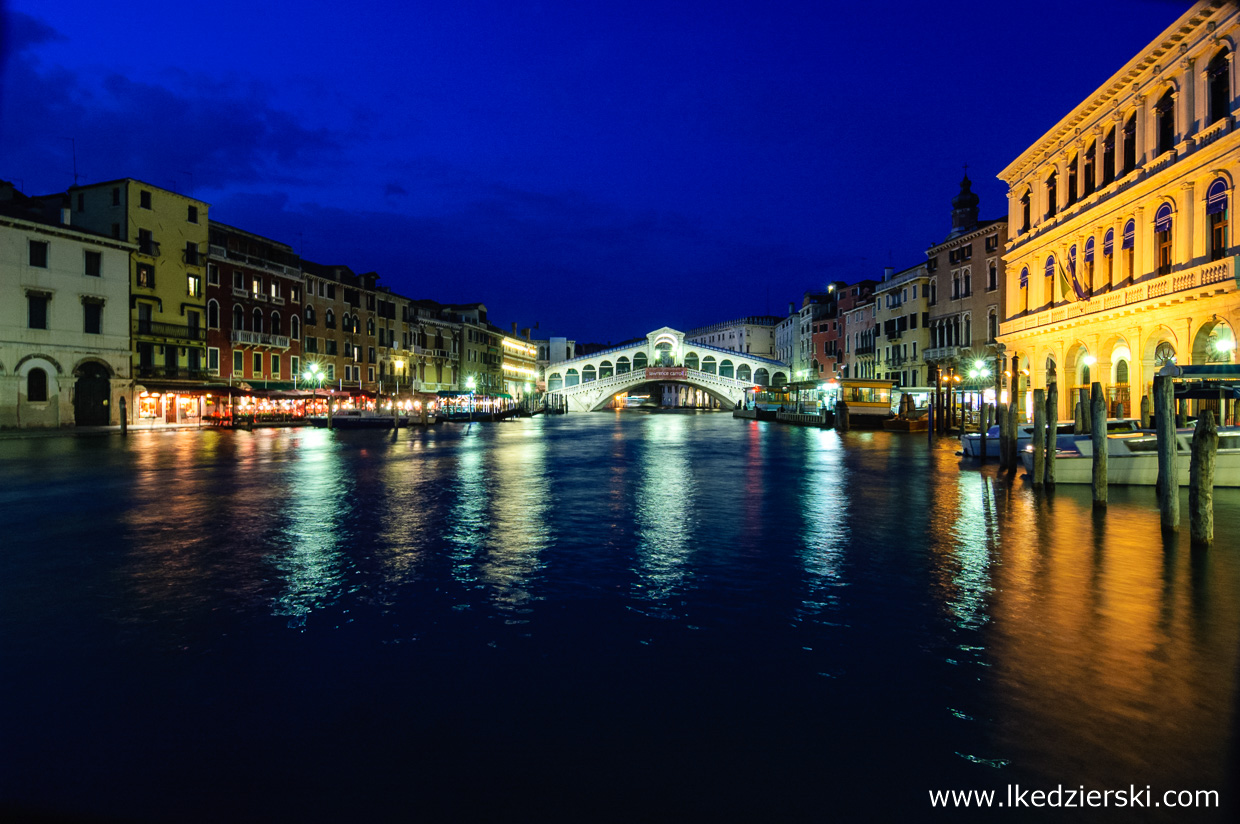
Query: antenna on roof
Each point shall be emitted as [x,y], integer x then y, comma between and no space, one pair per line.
[191,182]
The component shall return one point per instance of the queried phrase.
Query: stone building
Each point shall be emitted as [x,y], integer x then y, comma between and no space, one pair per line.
[64,321]
[1121,256]
[753,335]
[902,330]
[254,309]
[966,278]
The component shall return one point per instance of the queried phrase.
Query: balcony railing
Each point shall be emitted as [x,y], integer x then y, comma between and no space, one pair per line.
[171,373]
[863,350]
[218,251]
[1215,276]
[155,329]
[148,247]
[941,353]
[259,339]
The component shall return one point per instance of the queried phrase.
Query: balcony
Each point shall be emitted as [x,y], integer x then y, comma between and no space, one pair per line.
[171,373]
[150,248]
[1206,279]
[222,253]
[259,339]
[941,353]
[863,350]
[155,329]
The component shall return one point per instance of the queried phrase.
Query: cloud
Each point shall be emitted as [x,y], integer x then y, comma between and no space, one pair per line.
[394,190]
[219,131]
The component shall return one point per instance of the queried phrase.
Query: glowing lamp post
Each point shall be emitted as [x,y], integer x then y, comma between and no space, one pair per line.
[312,374]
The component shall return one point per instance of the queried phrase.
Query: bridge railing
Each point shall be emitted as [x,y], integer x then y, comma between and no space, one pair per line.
[627,378]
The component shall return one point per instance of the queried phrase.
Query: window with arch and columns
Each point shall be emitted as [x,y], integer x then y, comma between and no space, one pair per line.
[1216,217]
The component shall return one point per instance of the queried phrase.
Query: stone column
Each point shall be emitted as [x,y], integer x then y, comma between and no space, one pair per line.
[1183,238]
[1143,126]
[1186,115]
[1140,265]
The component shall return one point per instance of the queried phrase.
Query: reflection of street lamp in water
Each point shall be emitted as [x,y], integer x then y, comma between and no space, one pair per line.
[469,384]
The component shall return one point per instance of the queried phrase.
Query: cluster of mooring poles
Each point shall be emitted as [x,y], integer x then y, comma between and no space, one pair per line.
[1091,419]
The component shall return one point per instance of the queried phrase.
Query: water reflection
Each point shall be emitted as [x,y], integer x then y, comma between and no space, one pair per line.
[311,562]
[664,506]
[824,521]
[518,524]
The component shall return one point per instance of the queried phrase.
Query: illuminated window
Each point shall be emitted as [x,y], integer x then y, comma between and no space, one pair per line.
[145,275]
[1216,214]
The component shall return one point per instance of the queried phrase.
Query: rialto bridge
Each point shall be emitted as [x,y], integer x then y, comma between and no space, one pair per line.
[592,382]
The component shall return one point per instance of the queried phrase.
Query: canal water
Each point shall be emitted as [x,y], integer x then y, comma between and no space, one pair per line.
[608,617]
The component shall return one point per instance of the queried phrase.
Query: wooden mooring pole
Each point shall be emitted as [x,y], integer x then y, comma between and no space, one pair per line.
[1098,410]
[1168,474]
[1039,436]
[1078,422]
[1086,407]
[1145,411]
[124,419]
[1052,431]
[981,434]
[1013,439]
[1002,415]
[1201,480]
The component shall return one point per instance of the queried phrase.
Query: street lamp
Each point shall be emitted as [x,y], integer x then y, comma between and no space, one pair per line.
[312,374]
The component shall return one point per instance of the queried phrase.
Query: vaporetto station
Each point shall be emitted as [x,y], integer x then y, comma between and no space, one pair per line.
[692,372]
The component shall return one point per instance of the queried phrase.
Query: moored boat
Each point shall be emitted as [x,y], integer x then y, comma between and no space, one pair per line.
[1132,458]
[971,442]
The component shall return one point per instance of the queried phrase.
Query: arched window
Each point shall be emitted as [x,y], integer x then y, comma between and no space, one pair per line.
[934,290]
[1090,169]
[1216,215]
[36,386]
[1130,143]
[639,361]
[1162,238]
[992,326]
[622,365]
[275,323]
[761,377]
[572,378]
[992,278]
[588,374]
[691,361]
[1164,119]
[555,382]
[294,327]
[309,316]
[1108,255]
[258,320]
[1025,212]
[238,318]
[1129,248]
[743,372]
[1024,289]
[1108,157]
[1219,74]
[1049,278]
[725,368]
[1087,274]
[1121,372]
[606,369]
[708,364]
[370,327]
[1052,194]
[329,319]
[213,314]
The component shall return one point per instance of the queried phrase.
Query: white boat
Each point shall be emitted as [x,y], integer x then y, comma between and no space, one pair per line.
[1132,458]
[972,441]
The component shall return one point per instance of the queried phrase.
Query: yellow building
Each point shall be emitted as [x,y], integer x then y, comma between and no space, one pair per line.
[1120,256]
[167,304]
[520,363]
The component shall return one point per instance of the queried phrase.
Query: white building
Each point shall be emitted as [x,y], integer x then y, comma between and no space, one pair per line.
[754,335]
[64,325]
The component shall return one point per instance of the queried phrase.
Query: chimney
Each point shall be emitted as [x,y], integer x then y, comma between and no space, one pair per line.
[514,328]
[792,308]
[64,215]
[888,272]
[526,333]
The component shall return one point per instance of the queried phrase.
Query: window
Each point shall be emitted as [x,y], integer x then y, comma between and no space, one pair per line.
[955,287]
[213,274]
[1088,272]
[36,306]
[257,364]
[294,365]
[1088,172]
[1024,289]
[192,256]
[94,264]
[275,323]
[331,371]
[1164,119]
[258,320]
[992,278]
[294,327]
[213,360]
[934,292]
[275,365]
[38,254]
[146,243]
[192,217]
[256,285]
[238,318]
[1025,214]
[92,317]
[1216,216]
[370,354]
[331,345]
[145,275]
[1108,255]
[213,314]
[992,326]
[370,374]
[1162,238]
[193,285]
[1072,179]
[312,344]
[144,199]
[1130,143]
[238,362]
[36,386]
[329,320]
[1219,80]
[1052,194]
[1108,158]
[309,316]
[968,283]
[1130,235]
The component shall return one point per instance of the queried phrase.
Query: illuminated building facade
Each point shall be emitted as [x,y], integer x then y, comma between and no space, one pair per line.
[1121,255]
[966,279]
[520,363]
[829,337]
[859,337]
[340,326]
[902,333]
[64,321]
[753,335]
[254,309]
[168,330]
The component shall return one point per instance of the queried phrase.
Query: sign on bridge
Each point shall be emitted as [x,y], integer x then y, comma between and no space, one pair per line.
[658,373]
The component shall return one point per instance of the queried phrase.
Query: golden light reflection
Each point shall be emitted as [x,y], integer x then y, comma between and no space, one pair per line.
[664,506]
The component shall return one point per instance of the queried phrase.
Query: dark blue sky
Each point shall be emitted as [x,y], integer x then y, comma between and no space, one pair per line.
[601,171]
